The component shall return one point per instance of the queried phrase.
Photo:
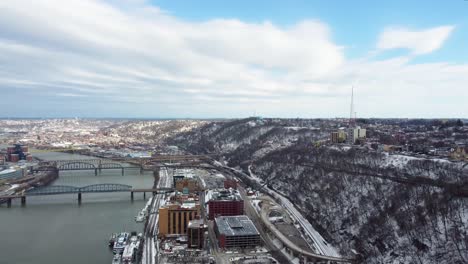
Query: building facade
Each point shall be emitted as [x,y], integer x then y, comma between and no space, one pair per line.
[358,134]
[338,136]
[196,234]
[188,184]
[174,218]
[225,202]
[460,153]
[236,231]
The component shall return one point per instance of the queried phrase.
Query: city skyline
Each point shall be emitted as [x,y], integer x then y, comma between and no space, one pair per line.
[173,59]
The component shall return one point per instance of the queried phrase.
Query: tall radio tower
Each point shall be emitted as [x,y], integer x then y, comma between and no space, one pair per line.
[351,110]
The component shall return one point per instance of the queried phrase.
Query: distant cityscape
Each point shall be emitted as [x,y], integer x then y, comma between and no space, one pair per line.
[209,204]
[442,138]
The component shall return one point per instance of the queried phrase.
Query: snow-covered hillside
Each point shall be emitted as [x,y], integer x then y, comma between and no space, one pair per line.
[377,207]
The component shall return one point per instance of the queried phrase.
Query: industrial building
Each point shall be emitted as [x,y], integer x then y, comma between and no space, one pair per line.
[174,217]
[224,202]
[18,152]
[196,234]
[236,231]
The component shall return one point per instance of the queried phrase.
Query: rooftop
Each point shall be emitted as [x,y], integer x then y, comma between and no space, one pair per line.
[196,223]
[186,205]
[239,225]
[224,195]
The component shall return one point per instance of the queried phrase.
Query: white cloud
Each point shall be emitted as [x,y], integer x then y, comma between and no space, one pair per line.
[419,42]
[132,57]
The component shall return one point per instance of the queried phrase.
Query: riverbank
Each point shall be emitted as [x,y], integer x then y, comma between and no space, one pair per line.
[79,232]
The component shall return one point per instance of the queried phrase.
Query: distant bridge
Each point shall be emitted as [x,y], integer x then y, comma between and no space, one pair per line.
[94,188]
[63,189]
[87,164]
[170,161]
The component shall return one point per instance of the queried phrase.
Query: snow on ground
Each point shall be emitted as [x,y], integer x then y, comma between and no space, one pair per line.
[323,247]
[208,196]
[252,175]
[153,251]
[397,160]
[203,182]
[320,243]
[219,175]
[256,205]
[143,256]
[340,147]
[13,186]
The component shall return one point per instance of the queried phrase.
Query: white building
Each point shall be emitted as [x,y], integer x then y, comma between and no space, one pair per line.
[358,133]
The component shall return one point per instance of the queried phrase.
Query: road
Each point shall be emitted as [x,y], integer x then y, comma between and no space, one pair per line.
[294,247]
[323,248]
[150,250]
[253,215]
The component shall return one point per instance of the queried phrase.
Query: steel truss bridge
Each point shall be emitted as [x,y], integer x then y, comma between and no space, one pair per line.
[64,189]
[94,188]
[87,164]
[178,161]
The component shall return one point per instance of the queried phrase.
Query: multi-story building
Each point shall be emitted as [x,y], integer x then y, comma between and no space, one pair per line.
[358,134]
[460,153]
[2,158]
[186,185]
[174,217]
[177,178]
[236,231]
[224,202]
[196,233]
[338,136]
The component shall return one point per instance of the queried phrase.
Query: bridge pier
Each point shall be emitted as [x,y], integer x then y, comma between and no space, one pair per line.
[95,172]
[23,200]
[131,196]
[79,198]
[141,169]
[9,202]
[144,195]
[123,172]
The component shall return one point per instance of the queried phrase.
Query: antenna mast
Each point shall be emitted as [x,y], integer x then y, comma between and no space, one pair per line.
[351,110]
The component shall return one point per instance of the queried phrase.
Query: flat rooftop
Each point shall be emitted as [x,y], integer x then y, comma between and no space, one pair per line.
[224,195]
[196,223]
[239,225]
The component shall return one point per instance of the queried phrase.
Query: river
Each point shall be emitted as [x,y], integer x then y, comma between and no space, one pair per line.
[56,229]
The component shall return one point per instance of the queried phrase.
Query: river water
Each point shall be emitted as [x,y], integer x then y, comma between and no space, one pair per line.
[55,229]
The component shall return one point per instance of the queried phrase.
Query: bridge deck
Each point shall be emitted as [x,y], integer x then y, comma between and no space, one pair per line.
[96,188]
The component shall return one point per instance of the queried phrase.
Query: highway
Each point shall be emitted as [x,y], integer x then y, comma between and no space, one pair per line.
[294,247]
[253,215]
[150,253]
[325,251]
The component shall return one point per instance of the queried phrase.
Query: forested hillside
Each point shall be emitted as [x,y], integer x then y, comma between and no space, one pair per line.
[377,207]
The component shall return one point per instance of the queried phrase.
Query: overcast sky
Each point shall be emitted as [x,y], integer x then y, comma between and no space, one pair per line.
[177,58]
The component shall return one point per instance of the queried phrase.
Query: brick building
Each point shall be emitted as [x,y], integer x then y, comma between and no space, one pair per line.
[224,202]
